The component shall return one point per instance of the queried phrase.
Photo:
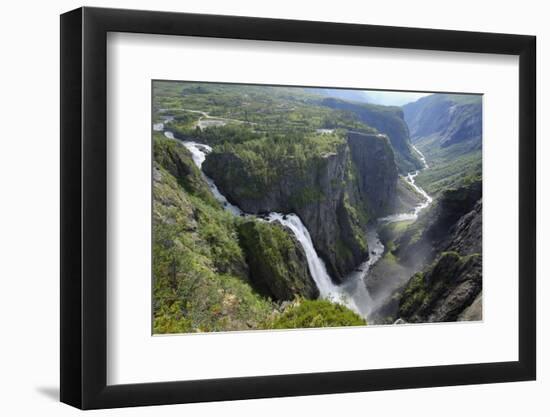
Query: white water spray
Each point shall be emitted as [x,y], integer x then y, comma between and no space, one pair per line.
[317,267]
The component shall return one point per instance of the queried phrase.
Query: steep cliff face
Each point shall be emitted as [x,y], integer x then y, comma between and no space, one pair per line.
[387,120]
[454,218]
[374,159]
[444,291]
[449,241]
[334,193]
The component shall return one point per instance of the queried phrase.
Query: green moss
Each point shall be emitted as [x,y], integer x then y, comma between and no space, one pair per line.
[315,313]
[414,295]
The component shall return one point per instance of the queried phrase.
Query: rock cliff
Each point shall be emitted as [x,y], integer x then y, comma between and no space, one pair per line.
[374,159]
[449,241]
[334,193]
[443,291]
[452,223]
[387,120]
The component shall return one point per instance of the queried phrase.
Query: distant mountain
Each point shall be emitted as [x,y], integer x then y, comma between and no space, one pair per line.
[447,128]
[384,98]
[454,117]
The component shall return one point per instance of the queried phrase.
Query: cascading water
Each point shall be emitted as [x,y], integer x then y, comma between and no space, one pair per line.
[198,153]
[422,157]
[410,178]
[317,267]
[353,292]
[355,283]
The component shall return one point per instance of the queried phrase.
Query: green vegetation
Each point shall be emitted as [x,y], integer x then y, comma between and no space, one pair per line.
[447,128]
[450,167]
[278,266]
[295,150]
[262,163]
[315,313]
[388,120]
[177,160]
[207,263]
[391,231]
[199,270]
[414,295]
[262,108]
[424,290]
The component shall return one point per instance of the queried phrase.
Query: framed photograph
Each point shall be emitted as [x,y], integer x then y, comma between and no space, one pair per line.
[257,208]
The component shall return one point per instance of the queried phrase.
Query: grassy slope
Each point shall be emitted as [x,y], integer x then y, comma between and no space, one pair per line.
[199,269]
[450,167]
[451,145]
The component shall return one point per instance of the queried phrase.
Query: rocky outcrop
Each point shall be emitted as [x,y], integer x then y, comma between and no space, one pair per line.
[444,291]
[466,237]
[452,223]
[474,311]
[387,120]
[277,261]
[449,239]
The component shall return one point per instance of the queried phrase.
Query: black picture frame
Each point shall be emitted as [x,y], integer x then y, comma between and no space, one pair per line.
[84,207]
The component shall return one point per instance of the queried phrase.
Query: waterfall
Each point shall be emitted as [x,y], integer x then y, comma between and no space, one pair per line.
[353,293]
[198,153]
[327,289]
[316,265]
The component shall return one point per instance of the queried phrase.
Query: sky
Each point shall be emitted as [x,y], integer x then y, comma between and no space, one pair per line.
[387,98]
[392,98]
